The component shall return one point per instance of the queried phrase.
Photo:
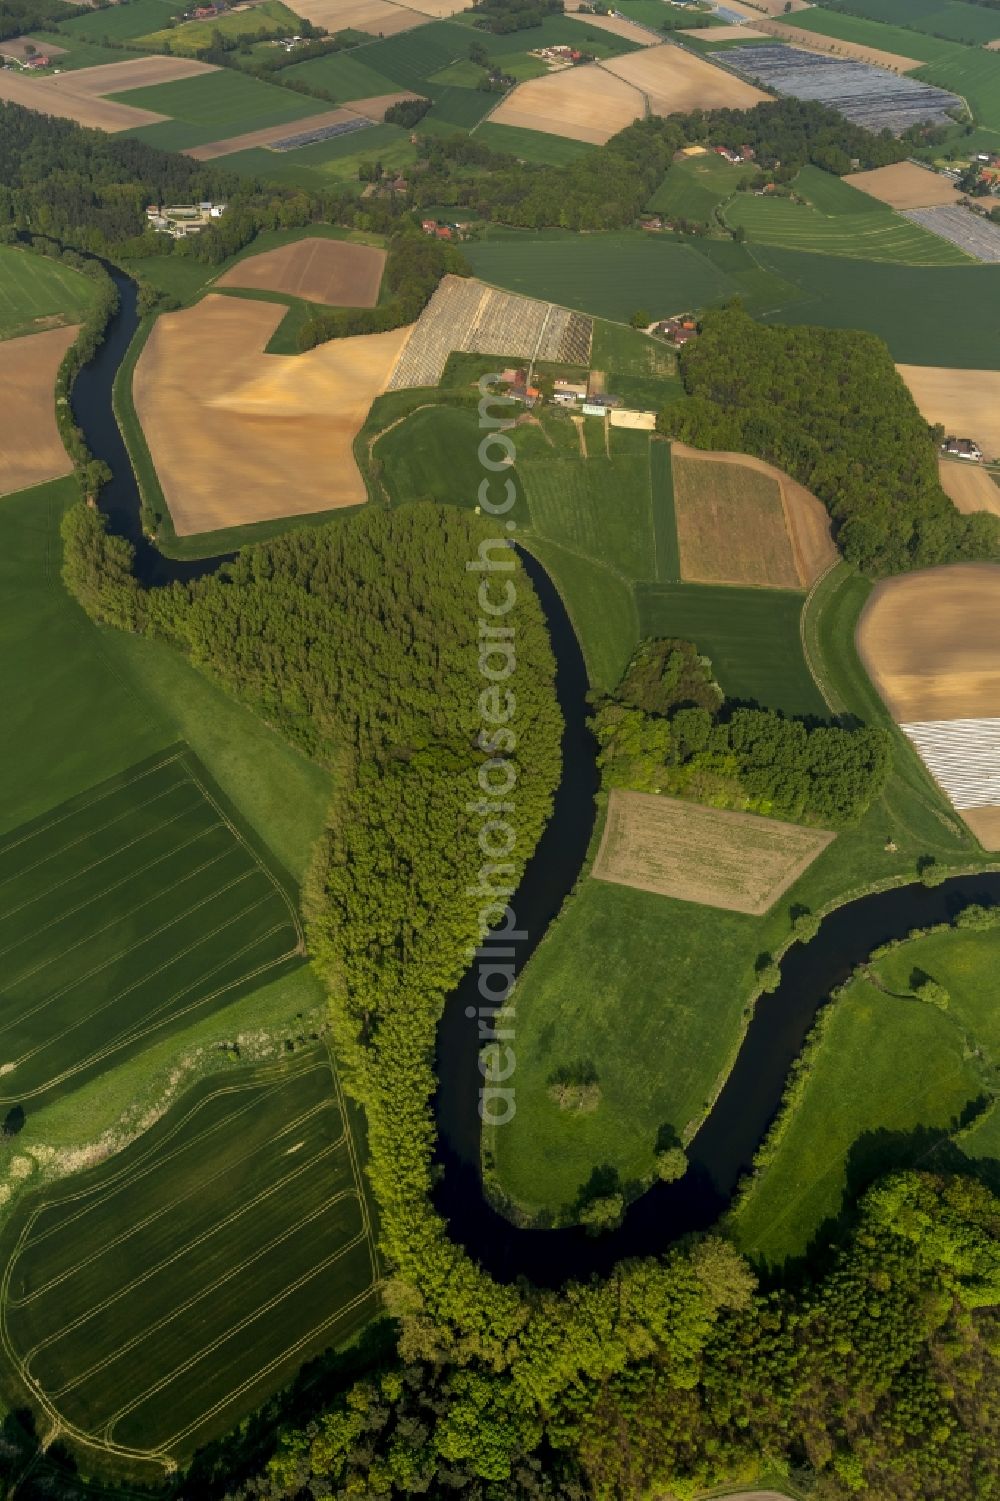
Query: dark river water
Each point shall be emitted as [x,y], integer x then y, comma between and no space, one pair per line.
[725,1145]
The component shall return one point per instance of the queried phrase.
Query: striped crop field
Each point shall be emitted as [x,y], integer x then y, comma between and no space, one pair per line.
[127,912]
[154,1300]
[864,235]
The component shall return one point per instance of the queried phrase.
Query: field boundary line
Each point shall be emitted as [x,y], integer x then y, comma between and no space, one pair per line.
[355,1164]
[830,699]
[119,786]
[203,1291]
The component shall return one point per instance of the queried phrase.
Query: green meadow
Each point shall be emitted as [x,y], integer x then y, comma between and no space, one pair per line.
[33,287]
[212,106]
[867,33]
[271,16]
[157,1298]
[694,188]
[951,20]
[531,145]
[891,1077]
[120,23]
[860,233]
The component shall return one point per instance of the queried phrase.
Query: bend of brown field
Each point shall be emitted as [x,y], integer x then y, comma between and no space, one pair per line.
[31,449]
[738,861]
[16,46]
[905,185]
[969,486]
[966,401]
[45,96]
[618,26]
[814,41]
[930,642]
[209,150]
[583,104]
[722,33]
[333,272]
[675,81]
[239,436]
[726,510]
[375,107]
[136,73]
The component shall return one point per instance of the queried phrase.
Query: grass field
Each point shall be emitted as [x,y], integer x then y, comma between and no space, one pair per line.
[271,16]
[531,145]
[866,33]
[327,162]
[950,19]
[345,75]
[975,74]
[121,22]
[840,221]
[885,1065]
[692,189]
[38,292]
[129,909]
[157,1298]
[213,105]
[554,31]
[731,525]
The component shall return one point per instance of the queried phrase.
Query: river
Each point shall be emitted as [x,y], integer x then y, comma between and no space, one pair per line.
[724,1147]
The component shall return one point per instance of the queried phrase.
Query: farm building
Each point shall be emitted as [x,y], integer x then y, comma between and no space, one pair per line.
[568,391]
[678,330]
[963,448]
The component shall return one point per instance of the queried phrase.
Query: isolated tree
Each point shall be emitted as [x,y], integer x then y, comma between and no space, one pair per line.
[671,1164]
[933,993]
[604,1213]
[640,318]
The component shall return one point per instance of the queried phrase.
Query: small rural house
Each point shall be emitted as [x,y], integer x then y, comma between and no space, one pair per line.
[963,448]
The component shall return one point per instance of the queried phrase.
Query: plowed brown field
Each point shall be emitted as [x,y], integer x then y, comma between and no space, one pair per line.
[239,436]
[31,449]
[969,486]
[334,272]
[905,185]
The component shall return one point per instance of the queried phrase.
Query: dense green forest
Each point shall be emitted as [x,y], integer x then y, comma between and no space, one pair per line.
[658,734]
[503,16]
[17,16]
[827,406]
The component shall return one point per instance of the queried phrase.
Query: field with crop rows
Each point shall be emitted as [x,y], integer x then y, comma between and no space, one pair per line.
[950,19]
[213,105]
[151,1301]
[129,910]
[881,35]
[882,235]
[121,22]
[975,74]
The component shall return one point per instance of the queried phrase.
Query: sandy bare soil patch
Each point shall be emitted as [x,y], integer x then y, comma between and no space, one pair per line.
[15,46]
[31,449]
[264,137]
[905,185]
[136,73]
[984,822]
[716,513]
[969,486]
[734,860]
[966,401]
[675,81]
[583,104]
[379,17]
[45,95]
[438,8]
[618,26]
[239,436]
[334,272]
[833,46]
[375,107]
[723,33]
[930,642]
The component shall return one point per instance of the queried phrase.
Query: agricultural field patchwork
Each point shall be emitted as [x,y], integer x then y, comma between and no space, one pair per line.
[583,104]
[872,35]
[155,1299]
[31,449]
[706,855]
[881,235]
[674,81]
[692,189]
[270,16]
[130,910]
[205,108]
[951,19]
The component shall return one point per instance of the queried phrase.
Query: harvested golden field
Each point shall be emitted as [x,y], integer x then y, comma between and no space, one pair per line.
[930,642]
[16,46]
[618,26]
[676,82]
[438,8]
[239,436]
[834,47]
[31,449]
[334,272]
[135,73]
[905,185]
[374,16]
[984,822]
[966,401]
[375,107]
[734,860]
[742,521]
[969,486]
[583,104]
[723,33]
[228,146]
[45,95]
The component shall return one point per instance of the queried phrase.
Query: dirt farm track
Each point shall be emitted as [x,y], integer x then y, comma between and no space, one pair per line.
[31,449]
[334,272]
[274,433]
